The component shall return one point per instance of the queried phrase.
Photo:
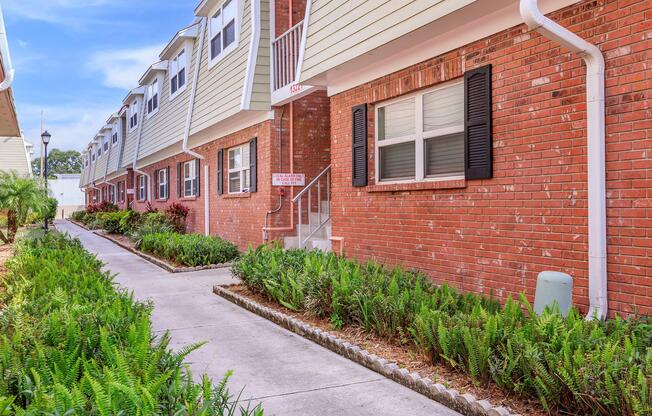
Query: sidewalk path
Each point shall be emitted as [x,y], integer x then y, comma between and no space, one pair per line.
[287,373]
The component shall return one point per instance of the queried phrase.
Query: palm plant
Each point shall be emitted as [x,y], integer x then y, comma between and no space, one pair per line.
[18,197]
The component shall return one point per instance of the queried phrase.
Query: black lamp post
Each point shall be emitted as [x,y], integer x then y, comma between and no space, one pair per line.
[45,137]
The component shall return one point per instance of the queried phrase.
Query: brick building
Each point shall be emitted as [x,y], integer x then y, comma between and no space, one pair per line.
[448,137]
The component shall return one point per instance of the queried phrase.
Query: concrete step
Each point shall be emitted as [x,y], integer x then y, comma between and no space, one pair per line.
[322,237]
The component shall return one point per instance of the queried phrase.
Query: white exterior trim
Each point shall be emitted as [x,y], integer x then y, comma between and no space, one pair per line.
[397,55]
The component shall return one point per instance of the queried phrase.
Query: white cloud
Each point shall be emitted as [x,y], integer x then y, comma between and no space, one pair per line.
[72,13]
[72,125]
[123,68]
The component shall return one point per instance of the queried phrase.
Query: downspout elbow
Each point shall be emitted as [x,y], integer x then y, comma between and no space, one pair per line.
[595,97]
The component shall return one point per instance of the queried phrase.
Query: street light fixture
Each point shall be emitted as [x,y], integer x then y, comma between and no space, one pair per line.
[45,138]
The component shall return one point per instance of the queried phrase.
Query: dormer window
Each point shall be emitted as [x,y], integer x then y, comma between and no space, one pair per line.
[223,30]
[105,144]
[178,74]
[133,115]
[93,156]
[152,98]
[99,151]
[114,135]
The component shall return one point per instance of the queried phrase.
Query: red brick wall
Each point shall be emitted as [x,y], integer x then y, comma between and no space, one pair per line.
[497,235]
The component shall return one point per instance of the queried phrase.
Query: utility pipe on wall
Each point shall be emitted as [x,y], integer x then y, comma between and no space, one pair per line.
[595,120]
[7,67]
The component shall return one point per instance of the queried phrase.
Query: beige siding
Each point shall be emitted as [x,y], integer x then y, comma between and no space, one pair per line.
[260,92]
[340,30]
[130,142]
[100,165]
[219,89]
[13,156]
[166,126]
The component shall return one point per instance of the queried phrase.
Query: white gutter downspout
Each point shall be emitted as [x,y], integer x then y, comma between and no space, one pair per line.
[6,58]
[186,132]
[133,164]
[595,120]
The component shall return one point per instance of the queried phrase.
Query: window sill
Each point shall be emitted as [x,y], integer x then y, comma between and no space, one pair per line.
[161,200]
[418,186]
[188,198]
[237,196]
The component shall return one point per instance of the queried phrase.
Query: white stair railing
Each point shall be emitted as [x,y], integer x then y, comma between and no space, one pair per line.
[285,56]
[320,187]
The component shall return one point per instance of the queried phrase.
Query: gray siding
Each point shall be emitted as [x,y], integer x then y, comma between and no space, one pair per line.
[13,156]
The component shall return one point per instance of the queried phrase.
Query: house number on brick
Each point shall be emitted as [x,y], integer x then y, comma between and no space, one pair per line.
[288,179]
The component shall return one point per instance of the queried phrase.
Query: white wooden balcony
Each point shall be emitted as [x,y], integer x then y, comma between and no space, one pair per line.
[287,50]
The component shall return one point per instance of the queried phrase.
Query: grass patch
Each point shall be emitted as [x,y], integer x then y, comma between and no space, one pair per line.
[570,365]
[72,344]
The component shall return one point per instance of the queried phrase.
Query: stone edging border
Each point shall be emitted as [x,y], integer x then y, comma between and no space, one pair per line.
[154,260]
[466,404]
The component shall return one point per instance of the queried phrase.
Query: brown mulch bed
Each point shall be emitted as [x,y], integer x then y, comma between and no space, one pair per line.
[406,356]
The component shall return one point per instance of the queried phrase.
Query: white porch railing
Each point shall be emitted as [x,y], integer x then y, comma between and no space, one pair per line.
[319,210]
[285,56]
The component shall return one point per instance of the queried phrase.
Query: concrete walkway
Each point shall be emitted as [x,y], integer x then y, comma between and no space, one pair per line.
[287,373]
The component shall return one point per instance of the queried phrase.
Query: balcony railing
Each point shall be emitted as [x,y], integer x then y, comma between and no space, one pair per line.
[285,56]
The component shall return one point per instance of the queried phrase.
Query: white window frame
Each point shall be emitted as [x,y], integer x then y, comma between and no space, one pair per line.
[244,170]
[120,191]
[153,96]
[105,144]
[111,194]
[162,183]
[189,178]
[175,69]
[142,188]
[133,111]
[419,137]
[99,150]
[93,156]
[238,24]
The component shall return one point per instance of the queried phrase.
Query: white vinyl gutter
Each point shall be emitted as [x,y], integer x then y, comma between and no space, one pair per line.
[595,120]
[7,67]
[186,132]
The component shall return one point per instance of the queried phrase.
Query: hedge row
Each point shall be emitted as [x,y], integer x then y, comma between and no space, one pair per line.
[572,366]
[189,249]
[71,344]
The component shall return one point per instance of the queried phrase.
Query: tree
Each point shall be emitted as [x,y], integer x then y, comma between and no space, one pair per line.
[18,197]
[59,161]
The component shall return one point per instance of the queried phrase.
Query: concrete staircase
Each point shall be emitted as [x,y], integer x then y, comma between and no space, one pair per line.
[314,224]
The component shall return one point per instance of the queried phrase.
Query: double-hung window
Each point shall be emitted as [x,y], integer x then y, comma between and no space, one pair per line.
[114,135]
[152,97]
[189,178]
[99,151]
[142,187]
[178,74]
[421,137]
[111,194]
[162,184]
[239,169]
[133,115]
[93,156]
[105,144]
[223,30]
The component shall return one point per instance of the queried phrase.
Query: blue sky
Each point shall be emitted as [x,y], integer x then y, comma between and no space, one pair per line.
[76,59]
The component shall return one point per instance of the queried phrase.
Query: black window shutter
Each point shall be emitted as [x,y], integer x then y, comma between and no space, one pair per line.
[360,145]
[179,179]
[477,123]
[253,174]
[197,176]
[220,175]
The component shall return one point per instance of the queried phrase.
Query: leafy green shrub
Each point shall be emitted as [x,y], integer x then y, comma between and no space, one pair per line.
[78,216]
[189,249]
[130,222]
[51,209]
[112,222]
[571,365]
[70,343]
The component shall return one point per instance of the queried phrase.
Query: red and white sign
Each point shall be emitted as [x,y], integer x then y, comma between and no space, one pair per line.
[288,179]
